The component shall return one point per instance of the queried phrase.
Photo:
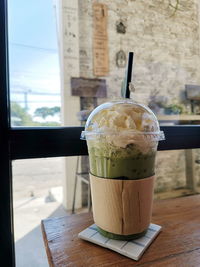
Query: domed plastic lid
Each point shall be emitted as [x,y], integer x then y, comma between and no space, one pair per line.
[124,117]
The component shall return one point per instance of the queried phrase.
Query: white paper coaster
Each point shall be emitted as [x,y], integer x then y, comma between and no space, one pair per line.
[132,249]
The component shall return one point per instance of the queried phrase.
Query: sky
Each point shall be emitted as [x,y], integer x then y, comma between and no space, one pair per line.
[33,52]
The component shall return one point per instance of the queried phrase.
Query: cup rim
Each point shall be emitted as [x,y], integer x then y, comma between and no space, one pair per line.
[154,136]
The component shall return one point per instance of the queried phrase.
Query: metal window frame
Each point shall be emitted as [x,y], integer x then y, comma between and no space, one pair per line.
[27,142]
[32,142]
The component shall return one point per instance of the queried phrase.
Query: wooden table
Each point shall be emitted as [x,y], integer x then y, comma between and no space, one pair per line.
[177,245]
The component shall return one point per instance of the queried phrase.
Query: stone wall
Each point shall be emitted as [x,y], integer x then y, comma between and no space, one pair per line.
[166,47]
[170,170]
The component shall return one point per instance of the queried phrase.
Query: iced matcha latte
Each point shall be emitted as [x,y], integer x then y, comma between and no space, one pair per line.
[122,139]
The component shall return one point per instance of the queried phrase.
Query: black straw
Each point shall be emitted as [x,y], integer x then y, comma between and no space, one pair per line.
[129,73]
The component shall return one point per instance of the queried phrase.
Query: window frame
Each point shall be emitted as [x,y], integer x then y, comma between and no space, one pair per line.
[28,142]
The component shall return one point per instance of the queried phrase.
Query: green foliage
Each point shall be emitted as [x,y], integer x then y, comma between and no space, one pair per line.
[20,117]
[46,111]
[174,109]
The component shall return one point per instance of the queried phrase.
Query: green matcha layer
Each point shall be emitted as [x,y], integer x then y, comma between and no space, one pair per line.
[121,237]
[122,168]
[109,161]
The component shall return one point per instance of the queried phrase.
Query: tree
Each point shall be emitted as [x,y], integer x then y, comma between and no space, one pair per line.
[45,111]
[19,116]
[55,110]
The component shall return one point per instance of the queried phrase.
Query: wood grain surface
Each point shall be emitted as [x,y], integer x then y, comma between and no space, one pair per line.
[122,207]
[178,244]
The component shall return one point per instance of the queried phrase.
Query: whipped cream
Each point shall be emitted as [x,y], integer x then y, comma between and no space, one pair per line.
[124,124]
[121,117]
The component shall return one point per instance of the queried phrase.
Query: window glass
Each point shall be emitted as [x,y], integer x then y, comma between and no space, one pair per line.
[42,189]
[37,194]
[177,173]
[87,45]
[34,63]
[95,41]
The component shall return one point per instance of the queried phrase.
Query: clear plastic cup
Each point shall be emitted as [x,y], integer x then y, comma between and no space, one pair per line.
[122,138]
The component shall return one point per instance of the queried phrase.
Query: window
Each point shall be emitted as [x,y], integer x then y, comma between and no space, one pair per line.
[34,70]
[37,194]
[22,143]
